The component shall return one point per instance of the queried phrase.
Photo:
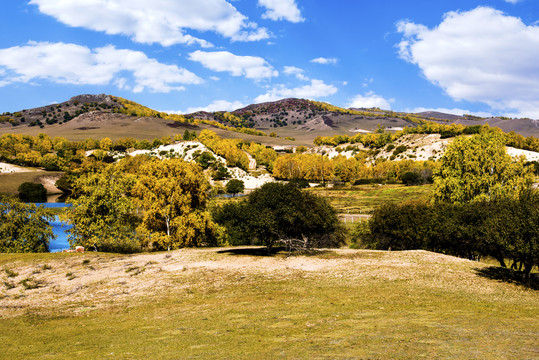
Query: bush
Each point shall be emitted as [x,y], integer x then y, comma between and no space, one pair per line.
[299,183]
[412,178]
[32,192]
[234,186]
[400,149]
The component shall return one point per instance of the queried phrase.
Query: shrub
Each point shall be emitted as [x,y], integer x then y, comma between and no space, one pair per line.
[412,178]
[32,192]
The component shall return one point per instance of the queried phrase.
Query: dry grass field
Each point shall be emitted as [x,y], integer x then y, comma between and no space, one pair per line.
[233,303]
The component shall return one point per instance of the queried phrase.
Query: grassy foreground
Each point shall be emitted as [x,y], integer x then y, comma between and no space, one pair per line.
[228,303]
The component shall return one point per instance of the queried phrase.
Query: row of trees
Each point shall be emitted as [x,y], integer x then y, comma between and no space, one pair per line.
[380,138]
[506,229]
[314,167]
[59,153]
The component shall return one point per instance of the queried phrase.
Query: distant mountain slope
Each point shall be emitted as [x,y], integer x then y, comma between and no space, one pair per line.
[296,118]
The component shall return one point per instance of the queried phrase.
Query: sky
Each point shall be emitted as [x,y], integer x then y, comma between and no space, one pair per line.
[181,56]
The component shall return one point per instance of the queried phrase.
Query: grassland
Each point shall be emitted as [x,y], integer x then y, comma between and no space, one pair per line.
[10,182]
[363,199]
[226,303]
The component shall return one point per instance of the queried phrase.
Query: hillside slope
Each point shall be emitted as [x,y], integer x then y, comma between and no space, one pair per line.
[105,115]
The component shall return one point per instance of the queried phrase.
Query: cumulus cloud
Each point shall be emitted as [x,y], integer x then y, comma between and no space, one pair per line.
[217,105]
[160,21]
[324,61]
[316,89]
[297,72]
[252,67]
[281,10]
[512,1]
[370,100]
[482,55]
[75,64]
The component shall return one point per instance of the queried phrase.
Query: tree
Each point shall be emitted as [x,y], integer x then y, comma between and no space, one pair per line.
[24,228]
[479,168]
[32,192]
[235,186]
[173,195]
[282,213]
[102,214]
[412,178]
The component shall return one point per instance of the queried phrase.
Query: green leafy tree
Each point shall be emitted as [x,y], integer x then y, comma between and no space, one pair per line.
[102,214]
[479,168]
[24,228]
[32,192]
[282,213]
[235,186]
[173,195]
[205,159]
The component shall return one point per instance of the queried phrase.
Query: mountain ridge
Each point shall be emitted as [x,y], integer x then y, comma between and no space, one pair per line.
[296,117]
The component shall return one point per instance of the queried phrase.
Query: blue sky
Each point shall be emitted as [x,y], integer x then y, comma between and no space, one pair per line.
[459,56]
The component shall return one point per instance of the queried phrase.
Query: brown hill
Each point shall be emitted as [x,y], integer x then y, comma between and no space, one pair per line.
[105,115]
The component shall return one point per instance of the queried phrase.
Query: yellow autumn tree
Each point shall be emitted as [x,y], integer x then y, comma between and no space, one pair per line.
[172,194]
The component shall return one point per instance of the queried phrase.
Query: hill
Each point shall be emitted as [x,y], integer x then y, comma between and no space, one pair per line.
[104,115]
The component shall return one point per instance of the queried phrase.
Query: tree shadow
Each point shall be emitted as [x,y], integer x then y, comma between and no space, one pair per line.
[275,251]
[252,251]
[509,276]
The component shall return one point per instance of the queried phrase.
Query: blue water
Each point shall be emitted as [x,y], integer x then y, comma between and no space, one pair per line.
[59,228]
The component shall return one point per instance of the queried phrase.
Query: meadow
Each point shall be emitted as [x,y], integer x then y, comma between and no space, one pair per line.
[362,199]
[233,303]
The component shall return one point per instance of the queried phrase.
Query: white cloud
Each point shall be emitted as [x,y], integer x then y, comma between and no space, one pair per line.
[512,1]
[370,100]
[159,21]
[324,61]
[297,72]
[251,67]
[217,105]
[480,55]
[75,64]
[281,10]
[316,89]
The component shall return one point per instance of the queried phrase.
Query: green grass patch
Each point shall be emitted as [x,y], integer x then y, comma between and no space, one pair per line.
[364,198]
[368,304]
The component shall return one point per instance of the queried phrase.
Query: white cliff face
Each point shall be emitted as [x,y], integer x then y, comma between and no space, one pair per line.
[530,155]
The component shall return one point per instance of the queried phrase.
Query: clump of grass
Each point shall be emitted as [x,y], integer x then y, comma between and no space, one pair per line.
[150,263]
[46,267]
[10,273]
[9,285]
[30,283]
[36,271]
[85,261]
[135,270]
[70,276]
